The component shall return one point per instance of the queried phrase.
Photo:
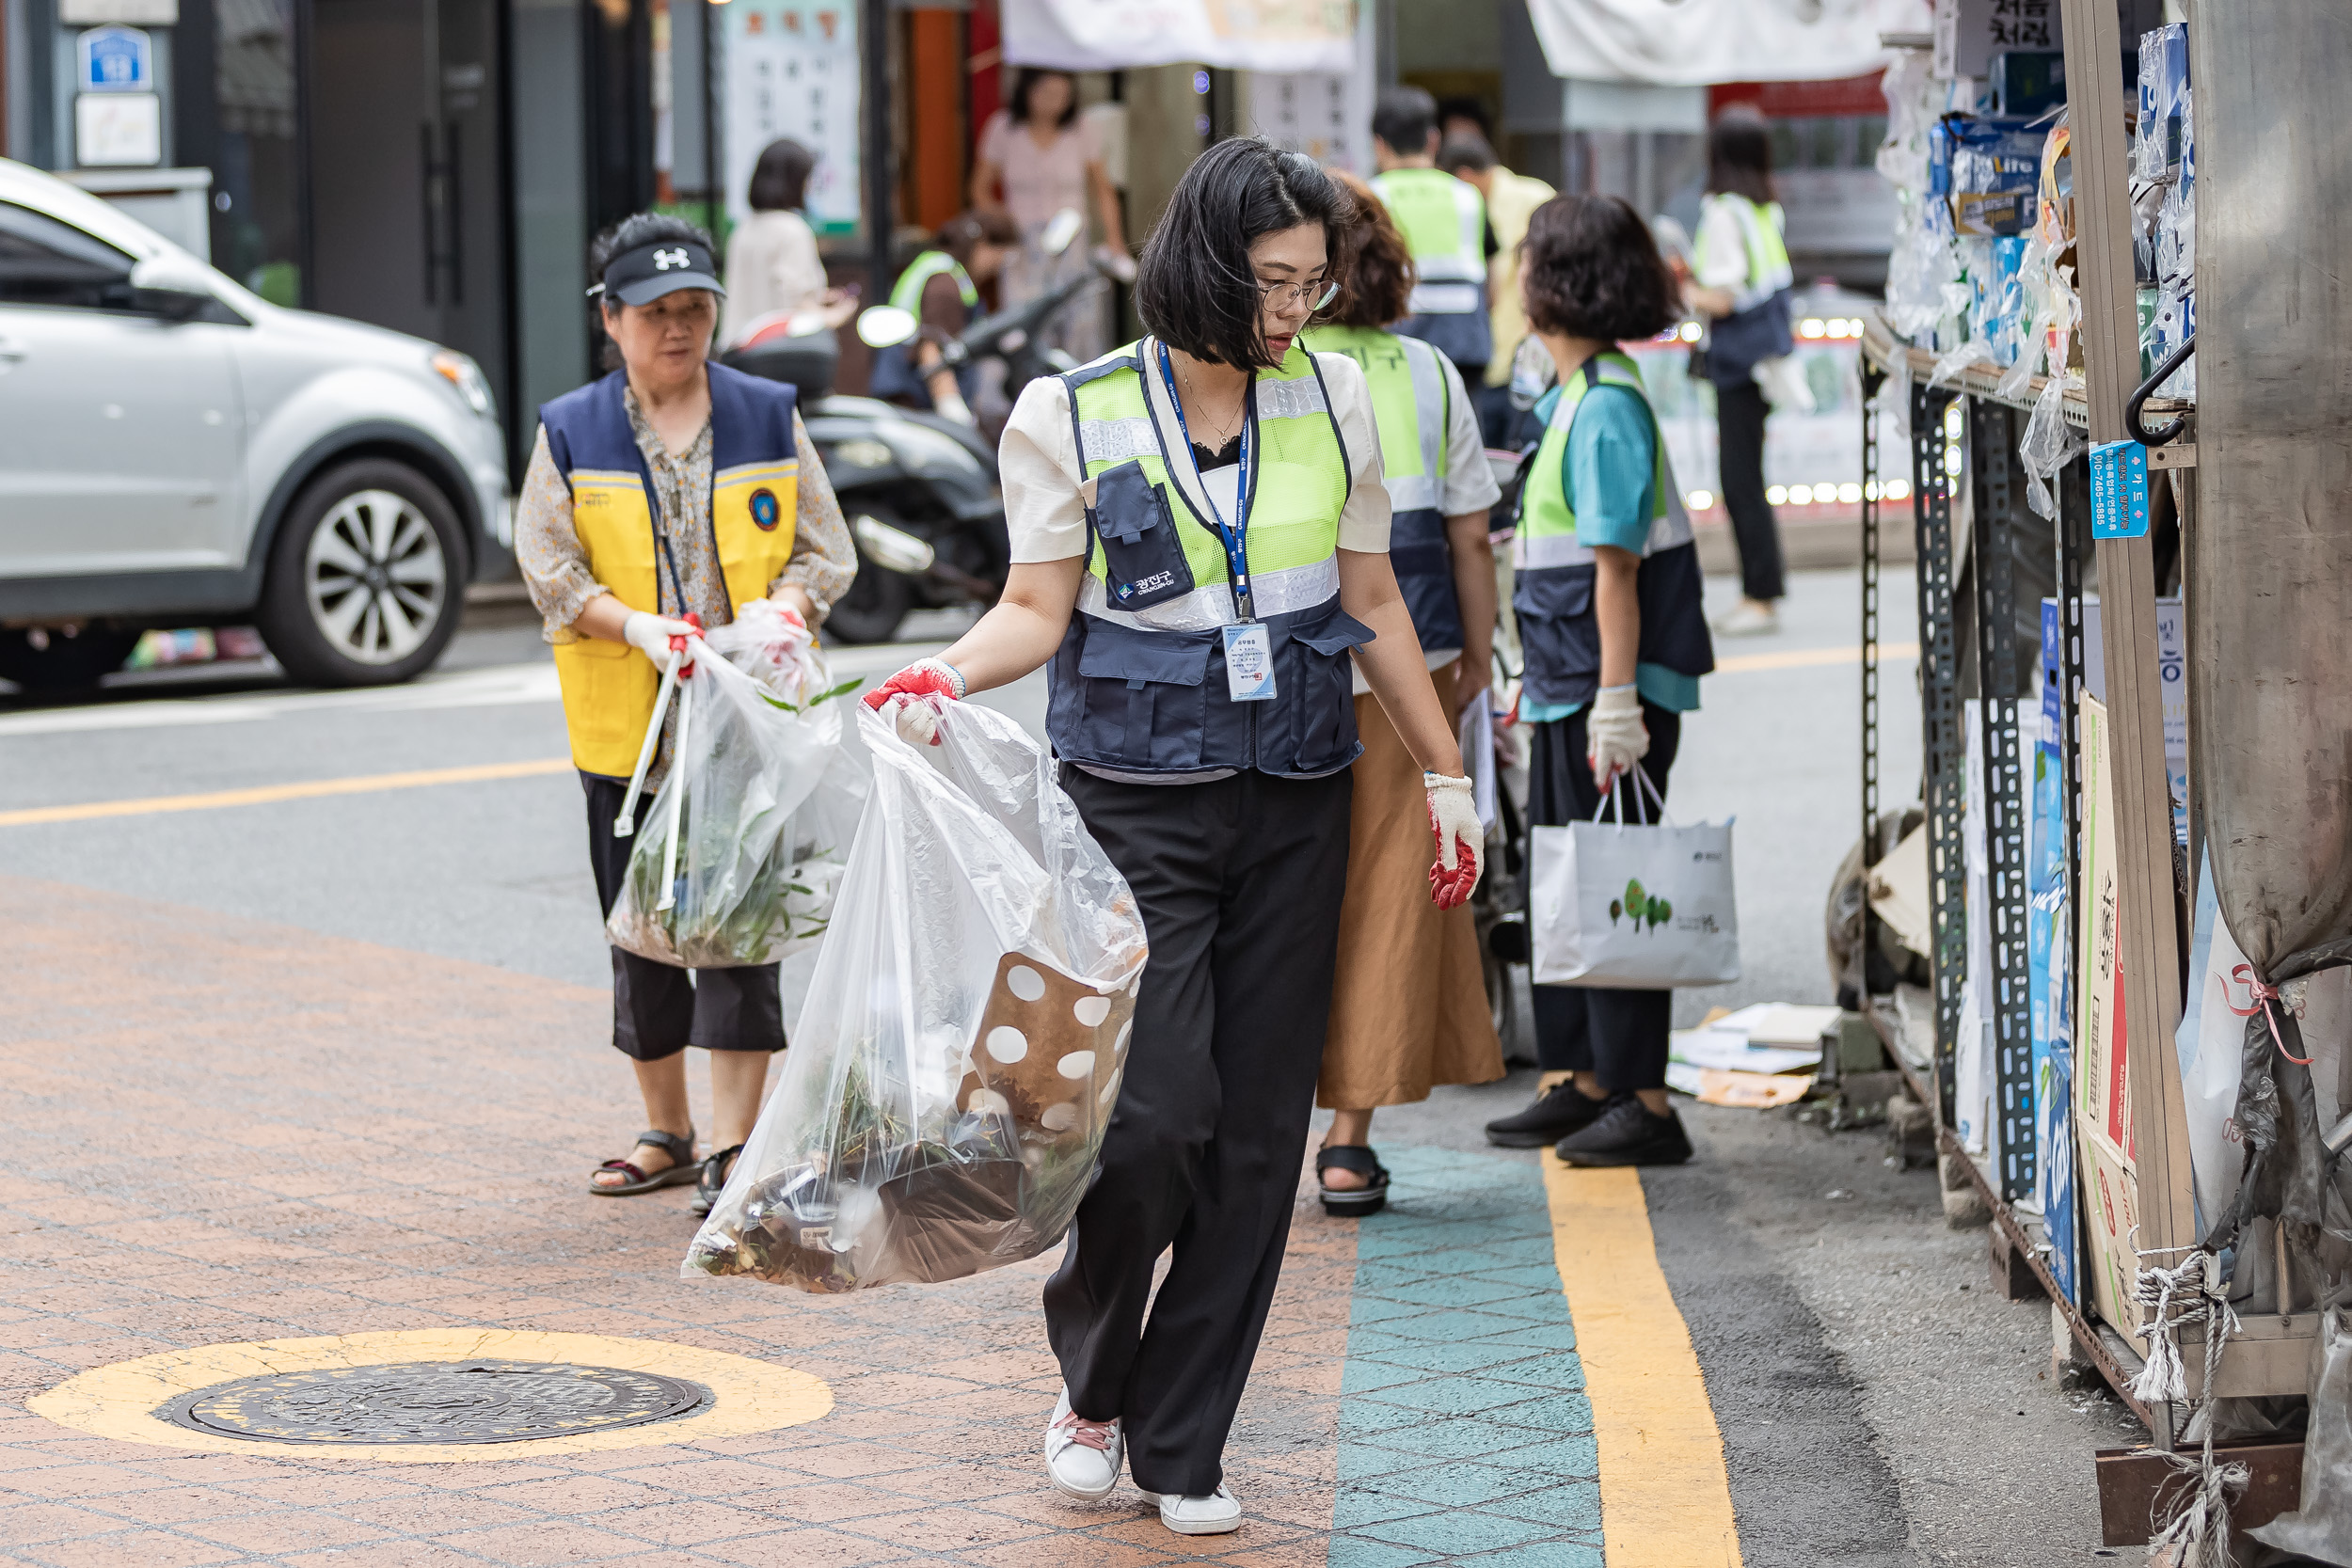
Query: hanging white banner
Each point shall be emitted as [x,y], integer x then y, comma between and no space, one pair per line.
[1240,34]
[1693,42]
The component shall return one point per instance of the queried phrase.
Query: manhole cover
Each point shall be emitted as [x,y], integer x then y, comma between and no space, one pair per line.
[435,1402]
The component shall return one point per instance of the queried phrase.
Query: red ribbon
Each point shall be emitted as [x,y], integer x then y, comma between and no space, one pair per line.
[2263,993]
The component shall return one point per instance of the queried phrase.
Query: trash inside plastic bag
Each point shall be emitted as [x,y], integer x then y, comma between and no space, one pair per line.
[2321,1527]
[745,844]
[961,1049]
[2049,444]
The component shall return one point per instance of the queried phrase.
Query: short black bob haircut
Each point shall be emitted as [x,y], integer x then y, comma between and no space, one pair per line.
[1590,268]
[780,178]
[1739,157]
[626,235]
[1466,153]
[1405,119]
[1017,108]
[1194,288]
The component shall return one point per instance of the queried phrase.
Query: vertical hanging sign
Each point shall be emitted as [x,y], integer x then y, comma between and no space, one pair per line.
[792,71]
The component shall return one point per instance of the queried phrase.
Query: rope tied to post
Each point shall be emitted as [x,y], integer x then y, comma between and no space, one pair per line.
[2191,1290]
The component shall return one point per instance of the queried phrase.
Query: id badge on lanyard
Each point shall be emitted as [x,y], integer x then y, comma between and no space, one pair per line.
[1248,646]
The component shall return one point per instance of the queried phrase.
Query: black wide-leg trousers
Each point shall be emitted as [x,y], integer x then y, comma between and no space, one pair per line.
[1619,1035]
[1240,881]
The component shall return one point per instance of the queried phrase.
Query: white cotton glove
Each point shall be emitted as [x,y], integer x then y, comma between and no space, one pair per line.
[1453,821]
[651,634]
[1614,737]
[953,407]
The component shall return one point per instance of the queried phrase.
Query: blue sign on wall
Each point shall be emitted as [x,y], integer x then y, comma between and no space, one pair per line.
[115,59]
[2118,490]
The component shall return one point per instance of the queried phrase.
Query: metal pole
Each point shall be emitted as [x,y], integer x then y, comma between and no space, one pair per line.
[880,221]
[1873,379]
[714,177]
[1946,751]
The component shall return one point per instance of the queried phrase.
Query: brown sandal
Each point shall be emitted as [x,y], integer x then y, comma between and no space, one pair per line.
[682,1169]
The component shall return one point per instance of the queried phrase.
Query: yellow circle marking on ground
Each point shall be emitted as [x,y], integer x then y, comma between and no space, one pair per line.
[120,1402]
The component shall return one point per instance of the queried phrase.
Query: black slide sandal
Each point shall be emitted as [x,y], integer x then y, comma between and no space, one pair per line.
[715,1171]
[680,1151]
[1355,1202]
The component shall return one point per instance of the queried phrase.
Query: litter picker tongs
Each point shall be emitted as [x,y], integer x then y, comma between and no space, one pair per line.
[626,824]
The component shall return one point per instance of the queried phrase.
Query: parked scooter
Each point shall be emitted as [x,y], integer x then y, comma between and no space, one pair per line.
[919,491]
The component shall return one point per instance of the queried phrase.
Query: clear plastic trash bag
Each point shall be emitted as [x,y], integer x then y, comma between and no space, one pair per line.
[742,851]
[961,1049]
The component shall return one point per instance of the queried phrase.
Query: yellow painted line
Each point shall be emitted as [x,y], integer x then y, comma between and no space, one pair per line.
[263,794]
[1801,659]
[120,1401]
[1666,1500]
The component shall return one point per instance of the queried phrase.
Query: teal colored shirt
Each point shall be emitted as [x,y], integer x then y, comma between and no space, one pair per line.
[1612,458]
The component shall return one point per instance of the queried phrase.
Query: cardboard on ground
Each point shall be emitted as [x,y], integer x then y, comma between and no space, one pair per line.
[1746,1091]
[1898,891]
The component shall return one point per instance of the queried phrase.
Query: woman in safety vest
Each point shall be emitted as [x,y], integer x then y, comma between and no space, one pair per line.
[940,289]
[1740,277]
[671,487]
[1408,1006]
[1199,539]
[1607,597]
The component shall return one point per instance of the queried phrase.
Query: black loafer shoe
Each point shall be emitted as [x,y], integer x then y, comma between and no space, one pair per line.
[1627,1134]
[1557,1112]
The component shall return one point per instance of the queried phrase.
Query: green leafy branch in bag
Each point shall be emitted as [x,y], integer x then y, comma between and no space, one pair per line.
[843,689]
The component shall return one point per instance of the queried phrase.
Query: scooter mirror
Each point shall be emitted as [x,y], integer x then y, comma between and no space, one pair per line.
[1061,230]
[884,326]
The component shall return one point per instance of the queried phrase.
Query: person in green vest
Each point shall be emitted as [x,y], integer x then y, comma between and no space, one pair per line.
[1444,223]
[1741,279]
[940,289]
[1613,636]
[1199,533]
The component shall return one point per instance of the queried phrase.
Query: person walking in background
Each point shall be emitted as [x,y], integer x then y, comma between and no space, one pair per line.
[773,264]
[1511,200]
[1408,1001]
[1614,636]
[940,289]
[1037,156]
[670,486]
[1740,277]
[1444,224]
[1200,540]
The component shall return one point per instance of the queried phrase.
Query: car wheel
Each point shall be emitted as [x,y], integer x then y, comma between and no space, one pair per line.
[871,609]
[61,663]
[366,577]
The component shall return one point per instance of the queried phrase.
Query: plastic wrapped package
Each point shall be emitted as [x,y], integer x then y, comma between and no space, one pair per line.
[746,841]
[1921,262]
[2157,131]
[2048,444]
[1990,170]
[961,1049]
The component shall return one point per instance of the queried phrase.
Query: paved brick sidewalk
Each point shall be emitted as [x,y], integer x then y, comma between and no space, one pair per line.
[224,1131]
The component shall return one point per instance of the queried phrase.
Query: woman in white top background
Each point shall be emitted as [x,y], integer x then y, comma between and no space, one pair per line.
[1037,156]
[772,262]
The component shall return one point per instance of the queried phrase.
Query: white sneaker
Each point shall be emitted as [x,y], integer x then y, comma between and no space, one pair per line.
[1748,619]
[1082,1457]
[1217,1513]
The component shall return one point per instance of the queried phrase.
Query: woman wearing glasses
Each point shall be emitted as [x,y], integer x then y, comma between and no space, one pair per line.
[1200,538]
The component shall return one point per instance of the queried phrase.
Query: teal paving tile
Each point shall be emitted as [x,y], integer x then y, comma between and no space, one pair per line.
[1364,1462]
[1370,1376]
[1481,1439]
[1570,1504]
[1460,1531]
[1455,1485]
[1572,1455]
[1446,1357]
[1447,1326]
[1390,1315]
[1535,1276]
[1362,1418]
[1553,1553]
[1357,1551]
[1555,1373]
[1437,1290]
[1453,1395]
[1554,1413]
[1358,1506]
[1551,1337]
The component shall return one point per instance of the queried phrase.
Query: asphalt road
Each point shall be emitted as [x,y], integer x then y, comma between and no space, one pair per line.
[1878,1406]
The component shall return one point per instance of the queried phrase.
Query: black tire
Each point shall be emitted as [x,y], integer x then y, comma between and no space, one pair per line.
[331,625]
[871,609]
[68,665]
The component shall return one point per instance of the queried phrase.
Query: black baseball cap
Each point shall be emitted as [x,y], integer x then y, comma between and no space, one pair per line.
[644,272]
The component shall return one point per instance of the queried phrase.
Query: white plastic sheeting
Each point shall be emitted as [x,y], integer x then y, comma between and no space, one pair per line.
[1113,34]
[1690,43]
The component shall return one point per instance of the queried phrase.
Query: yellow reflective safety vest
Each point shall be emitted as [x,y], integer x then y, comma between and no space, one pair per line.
[1443,222]
[1412,405]
[609,688]
[1139,685]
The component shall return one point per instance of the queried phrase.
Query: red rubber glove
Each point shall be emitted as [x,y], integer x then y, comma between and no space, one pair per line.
[914,694]
[1454,822]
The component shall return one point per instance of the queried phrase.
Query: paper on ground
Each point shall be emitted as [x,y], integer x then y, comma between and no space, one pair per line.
[1746,1091]
[1730,1051]
[1779,1024]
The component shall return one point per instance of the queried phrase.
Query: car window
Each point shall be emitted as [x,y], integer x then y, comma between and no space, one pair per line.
[43,262]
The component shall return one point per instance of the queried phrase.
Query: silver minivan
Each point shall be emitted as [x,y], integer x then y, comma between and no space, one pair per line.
[175,450]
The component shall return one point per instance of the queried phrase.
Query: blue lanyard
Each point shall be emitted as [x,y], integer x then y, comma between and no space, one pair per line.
[1234,538]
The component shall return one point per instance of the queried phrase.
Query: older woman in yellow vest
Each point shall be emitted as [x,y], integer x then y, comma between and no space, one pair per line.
[1199,541]
[1408,1005]
[670,488]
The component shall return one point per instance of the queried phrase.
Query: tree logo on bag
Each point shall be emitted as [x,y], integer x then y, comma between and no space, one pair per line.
[766,514]
[1648,911]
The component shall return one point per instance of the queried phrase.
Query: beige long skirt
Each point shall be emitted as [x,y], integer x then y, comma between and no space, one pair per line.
[1408,1005]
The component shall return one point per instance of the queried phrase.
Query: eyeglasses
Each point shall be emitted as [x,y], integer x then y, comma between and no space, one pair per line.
[1312,296]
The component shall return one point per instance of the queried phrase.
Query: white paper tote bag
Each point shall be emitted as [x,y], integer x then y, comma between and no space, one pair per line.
[1631,905]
